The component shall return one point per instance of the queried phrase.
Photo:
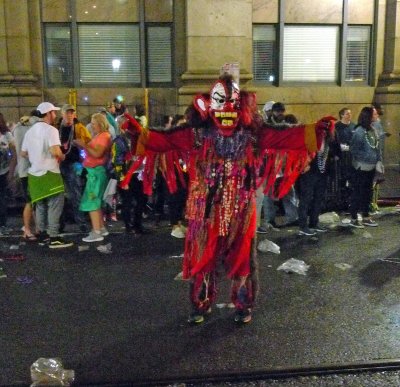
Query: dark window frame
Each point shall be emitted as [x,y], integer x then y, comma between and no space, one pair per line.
[102,84]
[172,34]
[275,71]
[369,56]
[46,57]
[75,57]
[342,56]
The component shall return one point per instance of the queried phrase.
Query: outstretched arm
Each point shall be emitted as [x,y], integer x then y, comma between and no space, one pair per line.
[300,138]
[180,138]
[177,139]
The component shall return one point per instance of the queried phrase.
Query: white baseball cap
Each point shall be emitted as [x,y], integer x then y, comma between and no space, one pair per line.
[268,106]
[46,107]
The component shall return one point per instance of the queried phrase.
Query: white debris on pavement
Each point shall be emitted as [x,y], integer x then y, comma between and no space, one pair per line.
[390,259]
[105,249]
[294,266]
[267,245]
[179,276]
[343,266]
[329,218]
[176,256]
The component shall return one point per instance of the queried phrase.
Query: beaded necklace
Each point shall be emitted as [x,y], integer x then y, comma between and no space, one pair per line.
[69,140]
[372,140]
[322,156]
[229,147]
[225,169]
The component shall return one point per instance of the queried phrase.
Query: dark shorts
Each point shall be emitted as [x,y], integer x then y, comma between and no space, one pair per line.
[25,191]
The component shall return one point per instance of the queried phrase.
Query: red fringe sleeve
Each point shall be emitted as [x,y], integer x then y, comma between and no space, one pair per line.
[286,153]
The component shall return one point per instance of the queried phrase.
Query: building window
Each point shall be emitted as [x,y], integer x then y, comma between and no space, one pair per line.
[310,53]
[59,70]
[264,53]
[159,54]
[109,54]
[357,53]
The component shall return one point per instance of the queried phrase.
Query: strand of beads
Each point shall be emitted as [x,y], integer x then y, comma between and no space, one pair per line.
[322,157]
[372,140]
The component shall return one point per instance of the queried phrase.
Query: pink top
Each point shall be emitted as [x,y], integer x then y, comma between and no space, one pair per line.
[104,140]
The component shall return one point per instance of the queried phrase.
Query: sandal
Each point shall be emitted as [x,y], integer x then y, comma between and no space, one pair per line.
[30,237]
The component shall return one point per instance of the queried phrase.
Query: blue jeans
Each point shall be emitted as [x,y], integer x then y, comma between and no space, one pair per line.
[48,212]
[289,202]
[73,186]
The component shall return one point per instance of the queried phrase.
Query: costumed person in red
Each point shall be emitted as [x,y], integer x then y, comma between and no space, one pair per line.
[223,143]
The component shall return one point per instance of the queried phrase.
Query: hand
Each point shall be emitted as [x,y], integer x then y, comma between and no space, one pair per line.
[344,147]
[79,142]
[380,167]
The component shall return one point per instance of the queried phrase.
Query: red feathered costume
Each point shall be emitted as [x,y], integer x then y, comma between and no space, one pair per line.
[223,145]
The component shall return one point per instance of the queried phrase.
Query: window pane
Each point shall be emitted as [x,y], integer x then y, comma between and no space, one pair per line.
[58,55]
[310,53]
[159,54]
[109,53]
[357,53]
[264,51]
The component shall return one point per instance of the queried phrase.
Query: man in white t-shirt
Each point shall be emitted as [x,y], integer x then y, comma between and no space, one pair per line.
[41,145]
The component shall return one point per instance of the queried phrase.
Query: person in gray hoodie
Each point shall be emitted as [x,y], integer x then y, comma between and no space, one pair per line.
[366,159]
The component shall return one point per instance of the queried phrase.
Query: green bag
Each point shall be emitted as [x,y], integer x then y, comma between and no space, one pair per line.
[41,187]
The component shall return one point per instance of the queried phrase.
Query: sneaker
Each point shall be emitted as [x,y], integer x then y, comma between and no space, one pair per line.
[306,231]
[242,317]
[2,273]
[43,238]
[320,229]
[355,223]
[195,318]
[59,243]
[178,233]
[93,237]
[261,230]
[198,317]
[104,232]
[375,212]
[369,222]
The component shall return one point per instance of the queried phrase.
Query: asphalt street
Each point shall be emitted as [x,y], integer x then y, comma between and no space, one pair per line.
[120,317]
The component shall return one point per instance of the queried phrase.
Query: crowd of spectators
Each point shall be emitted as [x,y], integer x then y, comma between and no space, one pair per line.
[54,159]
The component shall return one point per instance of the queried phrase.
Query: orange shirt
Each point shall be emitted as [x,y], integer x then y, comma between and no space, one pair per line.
[104,140]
